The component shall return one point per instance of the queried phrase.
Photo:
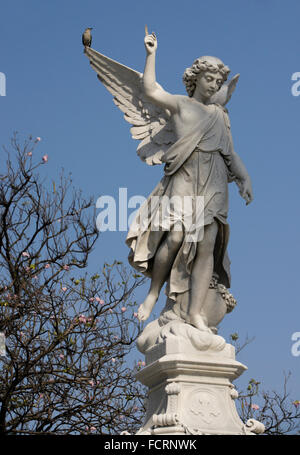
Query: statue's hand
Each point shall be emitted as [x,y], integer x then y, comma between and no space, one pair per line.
[150,43]
[246,190]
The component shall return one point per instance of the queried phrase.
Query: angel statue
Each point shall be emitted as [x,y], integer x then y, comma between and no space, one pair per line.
[191,136]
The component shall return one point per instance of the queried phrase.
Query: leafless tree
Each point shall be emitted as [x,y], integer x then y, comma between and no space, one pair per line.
[277,410]
[67,333]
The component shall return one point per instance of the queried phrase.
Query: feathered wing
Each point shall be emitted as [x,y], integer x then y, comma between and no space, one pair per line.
[150,124]
[231,86]
[224,94]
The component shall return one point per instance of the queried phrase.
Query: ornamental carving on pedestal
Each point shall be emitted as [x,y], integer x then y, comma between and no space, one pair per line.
[205,406]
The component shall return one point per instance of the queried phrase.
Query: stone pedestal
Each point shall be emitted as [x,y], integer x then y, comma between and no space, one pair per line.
[190,391]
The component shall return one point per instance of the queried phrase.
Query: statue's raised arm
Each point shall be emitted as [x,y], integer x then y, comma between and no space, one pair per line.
[153,91]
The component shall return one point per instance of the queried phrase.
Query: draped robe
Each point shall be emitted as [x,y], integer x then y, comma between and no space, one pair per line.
[197,164]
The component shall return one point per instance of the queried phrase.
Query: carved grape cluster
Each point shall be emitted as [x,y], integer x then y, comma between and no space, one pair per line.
[229,299]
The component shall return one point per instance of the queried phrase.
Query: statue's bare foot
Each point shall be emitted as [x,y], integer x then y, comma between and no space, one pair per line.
[146,307]
[197,321]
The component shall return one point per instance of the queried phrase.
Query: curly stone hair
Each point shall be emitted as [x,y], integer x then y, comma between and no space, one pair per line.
[203,64]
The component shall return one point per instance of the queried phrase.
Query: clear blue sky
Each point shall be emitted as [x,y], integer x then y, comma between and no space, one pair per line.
[53,93]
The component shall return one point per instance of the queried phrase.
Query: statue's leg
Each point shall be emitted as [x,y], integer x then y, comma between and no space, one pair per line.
[201,276]
[162,265]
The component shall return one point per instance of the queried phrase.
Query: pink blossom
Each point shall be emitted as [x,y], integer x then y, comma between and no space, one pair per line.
[92,428]
[45,158]
[110,310]
[61,356]
[123,309]
[135,315]
[25,254]
[47,266]
[113,360]
[66,267]
[29,154]
[82,319]
[92,299]
[64,289]
[99,300]
[38,139]
[255,407]
[35,277]
[92,383]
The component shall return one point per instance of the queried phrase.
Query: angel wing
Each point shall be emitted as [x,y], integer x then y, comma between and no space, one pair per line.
[224,94]
[150,124]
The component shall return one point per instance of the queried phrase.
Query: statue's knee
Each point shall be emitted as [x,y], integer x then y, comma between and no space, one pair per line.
[175,239]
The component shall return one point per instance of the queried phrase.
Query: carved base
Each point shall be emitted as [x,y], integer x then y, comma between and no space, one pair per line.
[192,393]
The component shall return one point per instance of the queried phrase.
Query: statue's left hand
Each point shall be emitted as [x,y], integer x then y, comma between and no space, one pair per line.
[246,190]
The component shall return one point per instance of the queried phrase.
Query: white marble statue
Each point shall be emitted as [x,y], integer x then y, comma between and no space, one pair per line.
[191,136]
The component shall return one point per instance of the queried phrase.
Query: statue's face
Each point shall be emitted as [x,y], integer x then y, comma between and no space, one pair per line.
[208,83]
